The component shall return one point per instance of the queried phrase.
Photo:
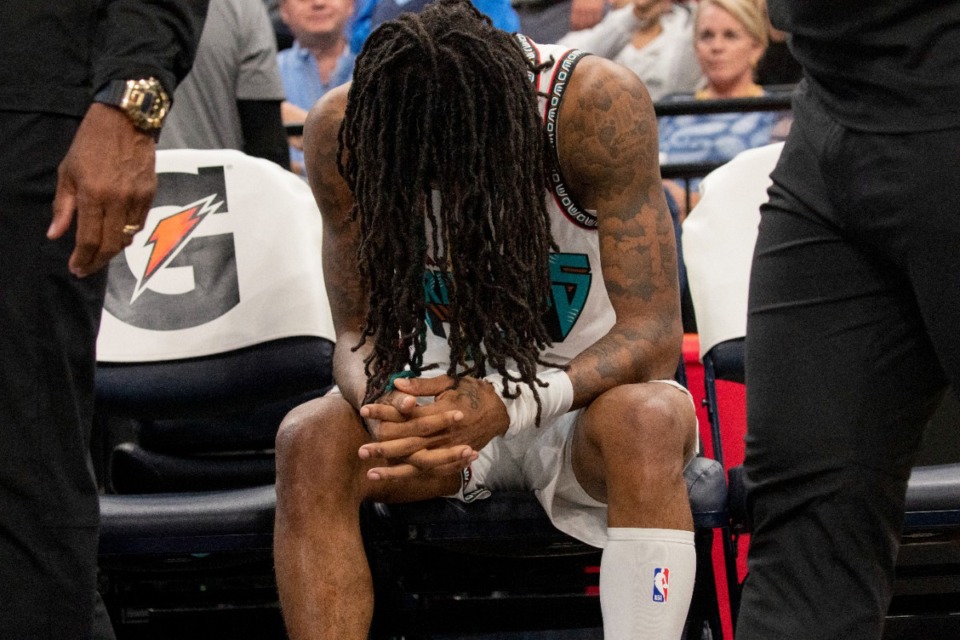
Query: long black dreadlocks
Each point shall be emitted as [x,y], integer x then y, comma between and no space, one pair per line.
[442,101]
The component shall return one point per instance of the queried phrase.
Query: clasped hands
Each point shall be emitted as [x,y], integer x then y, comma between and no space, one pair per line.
[440,437]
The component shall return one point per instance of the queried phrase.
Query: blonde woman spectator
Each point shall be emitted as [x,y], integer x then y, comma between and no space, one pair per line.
[730,37]
[653,38]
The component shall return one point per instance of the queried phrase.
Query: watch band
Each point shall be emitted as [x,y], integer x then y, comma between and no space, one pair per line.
[111,93]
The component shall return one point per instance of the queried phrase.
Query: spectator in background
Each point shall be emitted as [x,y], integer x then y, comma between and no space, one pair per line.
[318,61]
[280,30]
[231,99]
[370,14]
[546,21]
[730,37]
[653,38]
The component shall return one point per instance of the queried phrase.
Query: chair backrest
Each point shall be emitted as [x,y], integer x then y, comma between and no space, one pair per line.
[216,320]
[229,258]
[718,238]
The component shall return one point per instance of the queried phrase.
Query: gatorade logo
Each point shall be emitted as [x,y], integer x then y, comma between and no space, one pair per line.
[177,274]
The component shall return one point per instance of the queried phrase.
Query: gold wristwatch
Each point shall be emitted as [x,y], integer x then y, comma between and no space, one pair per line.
[144,101]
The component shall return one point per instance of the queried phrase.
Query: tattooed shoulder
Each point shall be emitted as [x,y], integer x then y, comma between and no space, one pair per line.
[607,131]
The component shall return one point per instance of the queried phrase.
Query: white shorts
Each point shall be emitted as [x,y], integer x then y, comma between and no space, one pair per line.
[539,460]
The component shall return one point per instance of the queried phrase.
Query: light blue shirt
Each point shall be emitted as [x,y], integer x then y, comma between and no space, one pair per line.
[301,79]
[712,137]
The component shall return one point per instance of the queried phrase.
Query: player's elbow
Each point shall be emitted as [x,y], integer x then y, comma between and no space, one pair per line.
[666,349]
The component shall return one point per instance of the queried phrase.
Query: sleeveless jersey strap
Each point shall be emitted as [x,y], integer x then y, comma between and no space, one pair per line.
[557,83]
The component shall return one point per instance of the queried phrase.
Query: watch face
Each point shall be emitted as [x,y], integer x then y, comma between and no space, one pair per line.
[147,105]
[146,102]
[143,101]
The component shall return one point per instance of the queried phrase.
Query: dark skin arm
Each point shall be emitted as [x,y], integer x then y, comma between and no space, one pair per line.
[107,179]
[346,294]
[608,151]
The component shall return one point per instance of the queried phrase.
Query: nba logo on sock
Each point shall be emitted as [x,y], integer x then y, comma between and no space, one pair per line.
[661,584]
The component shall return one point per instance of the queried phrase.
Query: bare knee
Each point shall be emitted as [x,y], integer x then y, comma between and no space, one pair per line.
[652,423]
[634,443]
[316,444]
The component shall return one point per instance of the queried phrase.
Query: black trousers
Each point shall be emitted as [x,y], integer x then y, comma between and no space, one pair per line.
[48,325]
[853,334]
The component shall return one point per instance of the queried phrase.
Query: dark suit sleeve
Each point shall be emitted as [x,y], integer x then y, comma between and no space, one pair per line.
[143,38]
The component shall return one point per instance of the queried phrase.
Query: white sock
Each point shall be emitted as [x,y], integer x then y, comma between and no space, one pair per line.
[646,582]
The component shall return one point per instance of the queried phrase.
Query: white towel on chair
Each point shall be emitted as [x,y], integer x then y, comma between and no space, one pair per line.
[229,257]
[718,239]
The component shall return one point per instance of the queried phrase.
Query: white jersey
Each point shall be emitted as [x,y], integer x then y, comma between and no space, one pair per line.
[580,312]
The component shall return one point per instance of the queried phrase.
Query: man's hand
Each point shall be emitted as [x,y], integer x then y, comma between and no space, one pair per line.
[649,12]
[436,438]
[108,178]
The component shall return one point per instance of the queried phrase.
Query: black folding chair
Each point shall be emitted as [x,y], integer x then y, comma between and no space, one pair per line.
[214,327]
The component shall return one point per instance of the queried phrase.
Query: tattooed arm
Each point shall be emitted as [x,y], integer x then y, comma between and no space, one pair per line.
[346,294]
[607,135]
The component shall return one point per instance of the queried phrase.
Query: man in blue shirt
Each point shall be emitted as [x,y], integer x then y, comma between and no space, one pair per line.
[318,61]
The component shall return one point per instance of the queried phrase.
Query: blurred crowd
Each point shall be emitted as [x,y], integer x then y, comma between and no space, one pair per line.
[263,63]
